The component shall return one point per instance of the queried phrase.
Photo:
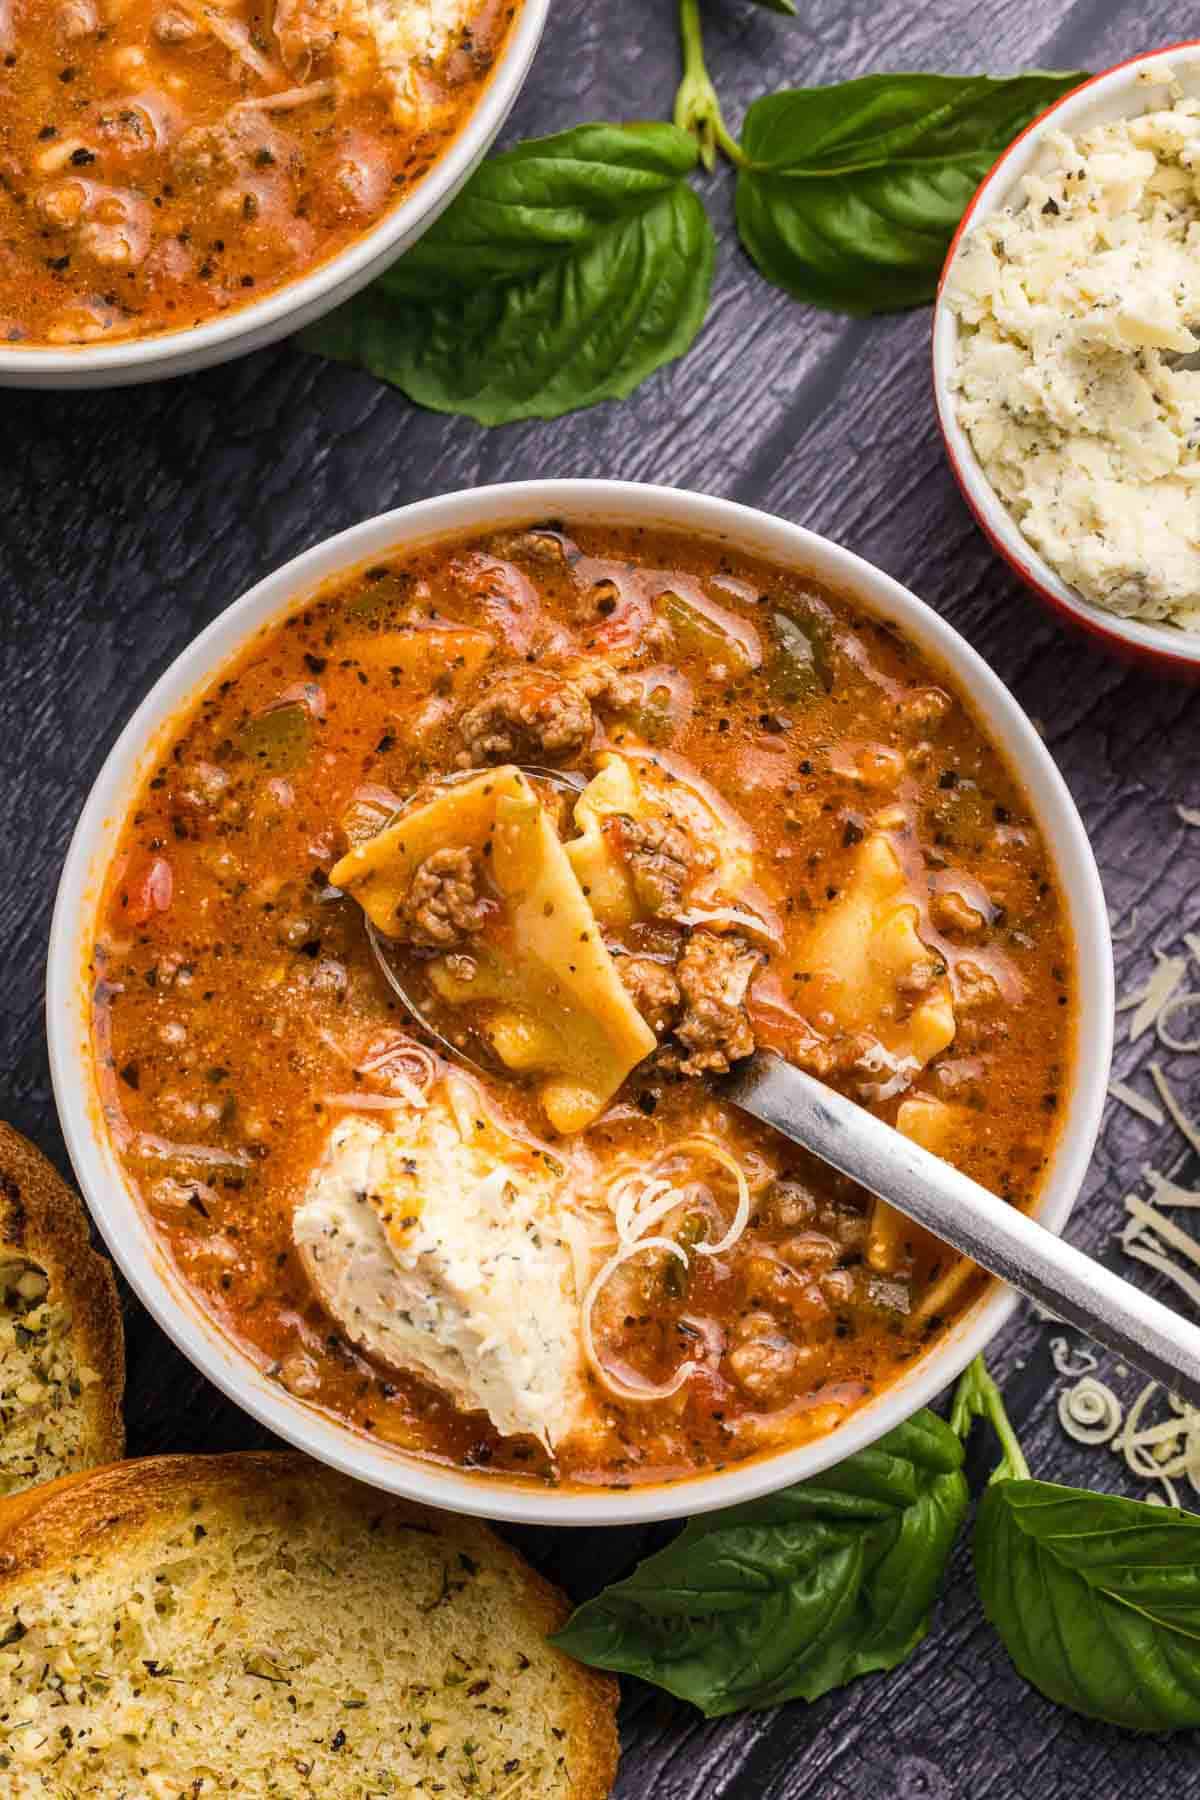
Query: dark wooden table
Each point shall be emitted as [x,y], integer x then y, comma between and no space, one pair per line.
[129,519]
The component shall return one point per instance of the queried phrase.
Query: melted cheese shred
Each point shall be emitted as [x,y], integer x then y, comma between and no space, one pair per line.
[639,1202]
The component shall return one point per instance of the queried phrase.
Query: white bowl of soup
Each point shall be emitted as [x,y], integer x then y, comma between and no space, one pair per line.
[626,781]
[188,180]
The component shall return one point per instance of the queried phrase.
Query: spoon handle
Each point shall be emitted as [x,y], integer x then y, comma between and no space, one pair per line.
[992,1233]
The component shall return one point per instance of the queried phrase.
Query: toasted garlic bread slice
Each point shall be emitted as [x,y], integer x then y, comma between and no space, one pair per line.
[62,1351]
[187,1627]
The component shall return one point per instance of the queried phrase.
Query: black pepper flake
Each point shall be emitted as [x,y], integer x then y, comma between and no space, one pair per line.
[338,1741]
[131,1076]
[82,157]
[48,131]
[948,778]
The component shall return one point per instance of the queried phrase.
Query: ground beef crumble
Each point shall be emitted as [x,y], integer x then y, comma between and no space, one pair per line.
[653,990]
[606,686]
[714,974]
[443,908]
[658,857]
[526,715]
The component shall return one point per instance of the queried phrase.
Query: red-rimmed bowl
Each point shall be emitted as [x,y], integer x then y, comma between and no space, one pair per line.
[1116,94]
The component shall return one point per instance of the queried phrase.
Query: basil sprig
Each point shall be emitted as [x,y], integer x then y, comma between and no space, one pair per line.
[793,1595]
[571,268]
[1096,1598]
[566,272]
[848,196]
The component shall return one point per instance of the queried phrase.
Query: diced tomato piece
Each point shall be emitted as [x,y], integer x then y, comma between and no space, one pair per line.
[506,597]
[149,892]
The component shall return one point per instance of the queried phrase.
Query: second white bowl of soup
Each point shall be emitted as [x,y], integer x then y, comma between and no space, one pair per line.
[626,781]
[192,182]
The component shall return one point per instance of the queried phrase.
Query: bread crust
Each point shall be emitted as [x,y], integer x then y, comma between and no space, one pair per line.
[97,1512]
[43,1219]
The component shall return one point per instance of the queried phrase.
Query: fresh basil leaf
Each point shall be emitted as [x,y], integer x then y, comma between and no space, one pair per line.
[851,194]
[544,199]
[1097,1599]
[567,271]
[794,1594]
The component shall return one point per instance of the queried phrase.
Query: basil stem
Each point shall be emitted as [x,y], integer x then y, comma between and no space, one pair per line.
[978,1397]
[697,108]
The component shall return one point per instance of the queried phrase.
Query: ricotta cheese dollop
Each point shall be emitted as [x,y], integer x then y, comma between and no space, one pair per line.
[1076,310]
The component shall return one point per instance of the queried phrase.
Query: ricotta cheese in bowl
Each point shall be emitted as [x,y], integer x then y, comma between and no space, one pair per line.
[1076,310]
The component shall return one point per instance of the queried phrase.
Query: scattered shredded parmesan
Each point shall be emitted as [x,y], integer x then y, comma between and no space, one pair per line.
[1071,1362]
[1161,986]
[1164,1451]
[1188,814]
[1186,1126]
[1120,932]
[1169,1193]
[1180,1002]
[1090,1412]
[1146,1109]
[1157,1434]
[1155,1259]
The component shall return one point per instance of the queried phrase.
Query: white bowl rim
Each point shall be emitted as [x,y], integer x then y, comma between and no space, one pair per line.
[1074,112]
[127,1231]
[345,272]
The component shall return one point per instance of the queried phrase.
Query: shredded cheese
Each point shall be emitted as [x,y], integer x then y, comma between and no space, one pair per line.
[640,1201]
[1161,1450]
[1180,1002]
[1072,1363]
[1090,1412]
[1186,1126]
[1161,986]
[1146,1109]
[236,37]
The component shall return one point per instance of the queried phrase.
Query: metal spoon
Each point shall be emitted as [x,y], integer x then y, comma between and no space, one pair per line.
[1070,1284]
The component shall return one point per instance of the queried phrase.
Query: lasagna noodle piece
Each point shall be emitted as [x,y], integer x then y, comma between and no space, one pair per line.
[636,788]
[552,1003]
[865,959]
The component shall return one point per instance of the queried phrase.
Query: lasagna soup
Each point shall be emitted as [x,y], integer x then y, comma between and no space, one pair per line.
[164,160]
[611,807]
